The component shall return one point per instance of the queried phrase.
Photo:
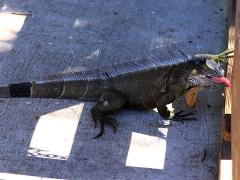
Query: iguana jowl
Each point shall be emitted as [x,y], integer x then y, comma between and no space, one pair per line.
[144,84]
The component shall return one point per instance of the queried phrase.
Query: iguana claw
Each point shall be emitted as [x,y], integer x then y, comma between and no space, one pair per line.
[222,57]
[109,121]
[183,117]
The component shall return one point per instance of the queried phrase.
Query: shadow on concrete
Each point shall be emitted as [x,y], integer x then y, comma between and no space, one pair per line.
[95,34]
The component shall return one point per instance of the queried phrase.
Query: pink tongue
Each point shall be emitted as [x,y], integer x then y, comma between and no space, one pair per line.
[222,80]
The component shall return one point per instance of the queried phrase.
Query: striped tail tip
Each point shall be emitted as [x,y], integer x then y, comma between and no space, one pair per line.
[15,90]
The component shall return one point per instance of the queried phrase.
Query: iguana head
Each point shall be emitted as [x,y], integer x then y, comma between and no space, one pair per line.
[207,71]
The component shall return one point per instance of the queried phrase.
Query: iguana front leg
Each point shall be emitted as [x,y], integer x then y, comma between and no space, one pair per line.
[109,103]
[171,115]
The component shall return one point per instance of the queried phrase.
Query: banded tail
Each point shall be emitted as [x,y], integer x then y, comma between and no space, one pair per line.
[32,89]
[79,90]
[15,90]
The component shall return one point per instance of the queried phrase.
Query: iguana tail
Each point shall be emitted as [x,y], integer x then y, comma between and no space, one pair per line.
[31,89]
[15,90]
[79,90]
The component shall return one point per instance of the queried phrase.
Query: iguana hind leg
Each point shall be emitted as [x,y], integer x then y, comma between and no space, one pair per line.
[109,103]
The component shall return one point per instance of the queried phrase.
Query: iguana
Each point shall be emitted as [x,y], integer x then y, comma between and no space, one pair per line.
[150,83]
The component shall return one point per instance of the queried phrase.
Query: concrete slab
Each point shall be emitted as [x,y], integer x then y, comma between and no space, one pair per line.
[46,138]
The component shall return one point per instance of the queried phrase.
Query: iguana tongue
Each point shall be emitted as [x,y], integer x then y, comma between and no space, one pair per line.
[222,80]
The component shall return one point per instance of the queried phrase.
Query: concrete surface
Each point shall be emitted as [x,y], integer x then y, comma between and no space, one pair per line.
[46,138]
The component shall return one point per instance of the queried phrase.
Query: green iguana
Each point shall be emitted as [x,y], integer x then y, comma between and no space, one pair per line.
[146,84]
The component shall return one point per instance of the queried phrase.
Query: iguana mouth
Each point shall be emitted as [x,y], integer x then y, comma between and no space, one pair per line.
[220,80]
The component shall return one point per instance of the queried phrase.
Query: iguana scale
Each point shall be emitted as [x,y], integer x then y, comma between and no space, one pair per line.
[145,84]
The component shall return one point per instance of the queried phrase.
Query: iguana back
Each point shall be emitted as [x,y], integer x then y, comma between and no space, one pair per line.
[129,78]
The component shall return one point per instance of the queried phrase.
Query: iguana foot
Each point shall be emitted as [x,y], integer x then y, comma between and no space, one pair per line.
[170,115]
[222,57]
[179,116]
[109,103]
[109,121]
